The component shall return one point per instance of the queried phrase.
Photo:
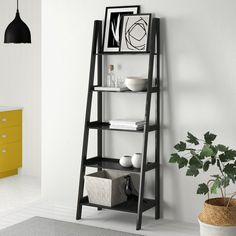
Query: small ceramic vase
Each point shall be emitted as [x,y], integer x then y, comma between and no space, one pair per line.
[136,160]
[125,161]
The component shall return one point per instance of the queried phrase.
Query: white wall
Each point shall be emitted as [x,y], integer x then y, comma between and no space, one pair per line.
[198,72]
[20,78]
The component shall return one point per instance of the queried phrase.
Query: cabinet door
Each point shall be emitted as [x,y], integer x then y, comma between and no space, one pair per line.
[10,118]
[10,135]
[10,156]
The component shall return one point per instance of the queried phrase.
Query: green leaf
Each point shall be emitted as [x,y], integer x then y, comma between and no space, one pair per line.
[215,176]
[223,157]
[222,148]
[231,154]
[195,162]
[225,181]
[214,149]
[182,162]
[192,139]
[209,137]
[202,189]
[232,177]
[206,166]
[192,171]
[213,160]
[218,164]
[230,169]
[174,158]
[206,151]
[228,155]
[214,189]
[180,146]
[217,184]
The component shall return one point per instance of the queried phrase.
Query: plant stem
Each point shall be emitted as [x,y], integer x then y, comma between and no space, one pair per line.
[231,199]
[220,167]
[222,193]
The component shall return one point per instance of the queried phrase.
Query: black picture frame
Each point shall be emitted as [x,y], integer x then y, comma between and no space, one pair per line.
[135,33]
[113,18]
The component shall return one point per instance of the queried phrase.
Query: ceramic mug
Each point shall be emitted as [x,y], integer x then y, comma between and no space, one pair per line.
[125,161]
[136,160]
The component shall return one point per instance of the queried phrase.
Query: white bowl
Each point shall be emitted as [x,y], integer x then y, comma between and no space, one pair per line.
[136,83]
[125,161]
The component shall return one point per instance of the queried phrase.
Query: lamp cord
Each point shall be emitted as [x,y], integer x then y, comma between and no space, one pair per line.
[17,5]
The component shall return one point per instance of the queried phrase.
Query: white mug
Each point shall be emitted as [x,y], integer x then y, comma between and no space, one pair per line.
[136,160]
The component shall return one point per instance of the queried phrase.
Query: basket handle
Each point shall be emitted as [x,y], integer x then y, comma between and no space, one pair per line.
[127,187]
[234,194]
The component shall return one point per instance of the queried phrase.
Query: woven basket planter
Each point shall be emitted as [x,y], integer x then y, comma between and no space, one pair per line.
[216,213]
[106,188]
[218,219]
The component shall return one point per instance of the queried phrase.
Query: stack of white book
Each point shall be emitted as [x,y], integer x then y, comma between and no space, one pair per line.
[133,124]
[112,89]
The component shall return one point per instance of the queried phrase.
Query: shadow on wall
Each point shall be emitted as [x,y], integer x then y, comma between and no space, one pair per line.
[167,127]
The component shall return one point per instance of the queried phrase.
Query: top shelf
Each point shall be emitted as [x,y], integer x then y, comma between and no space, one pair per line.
[125,53]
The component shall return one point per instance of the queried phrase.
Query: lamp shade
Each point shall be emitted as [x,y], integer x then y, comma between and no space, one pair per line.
[17,31]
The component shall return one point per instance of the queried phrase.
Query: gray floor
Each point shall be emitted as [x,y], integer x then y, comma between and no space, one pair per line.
[38,226]
[20,200]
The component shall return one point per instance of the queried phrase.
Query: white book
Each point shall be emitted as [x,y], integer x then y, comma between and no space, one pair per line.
[127,122]
[125,127]
[112,89]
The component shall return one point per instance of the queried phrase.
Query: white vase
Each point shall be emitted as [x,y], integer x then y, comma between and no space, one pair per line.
[125,161]
[136,160]
[212,230]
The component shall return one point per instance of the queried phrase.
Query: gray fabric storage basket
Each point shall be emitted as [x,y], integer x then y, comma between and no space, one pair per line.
[106,188]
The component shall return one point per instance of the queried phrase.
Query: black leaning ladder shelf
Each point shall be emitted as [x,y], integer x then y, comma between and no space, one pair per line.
[141,204]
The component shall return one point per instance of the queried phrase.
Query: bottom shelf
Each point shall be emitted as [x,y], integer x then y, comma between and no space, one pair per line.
[130,205]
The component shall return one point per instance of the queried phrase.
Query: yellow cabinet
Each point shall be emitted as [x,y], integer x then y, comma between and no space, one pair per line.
[10,135]
[10,118]
[10,142]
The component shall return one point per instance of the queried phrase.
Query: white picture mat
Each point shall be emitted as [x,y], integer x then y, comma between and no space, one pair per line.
[133,19]
[108,17]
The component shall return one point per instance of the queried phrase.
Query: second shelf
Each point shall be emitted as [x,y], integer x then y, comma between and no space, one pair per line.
[113,164]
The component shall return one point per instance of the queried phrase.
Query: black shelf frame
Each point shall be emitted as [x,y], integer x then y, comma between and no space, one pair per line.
[140,204]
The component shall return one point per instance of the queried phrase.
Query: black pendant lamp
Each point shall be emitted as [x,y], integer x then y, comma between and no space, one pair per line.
[17,31]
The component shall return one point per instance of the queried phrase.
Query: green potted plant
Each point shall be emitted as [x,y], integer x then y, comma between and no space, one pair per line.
[197,156]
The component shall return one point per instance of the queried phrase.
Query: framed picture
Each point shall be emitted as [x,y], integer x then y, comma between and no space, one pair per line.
[135,33]
[113,24]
